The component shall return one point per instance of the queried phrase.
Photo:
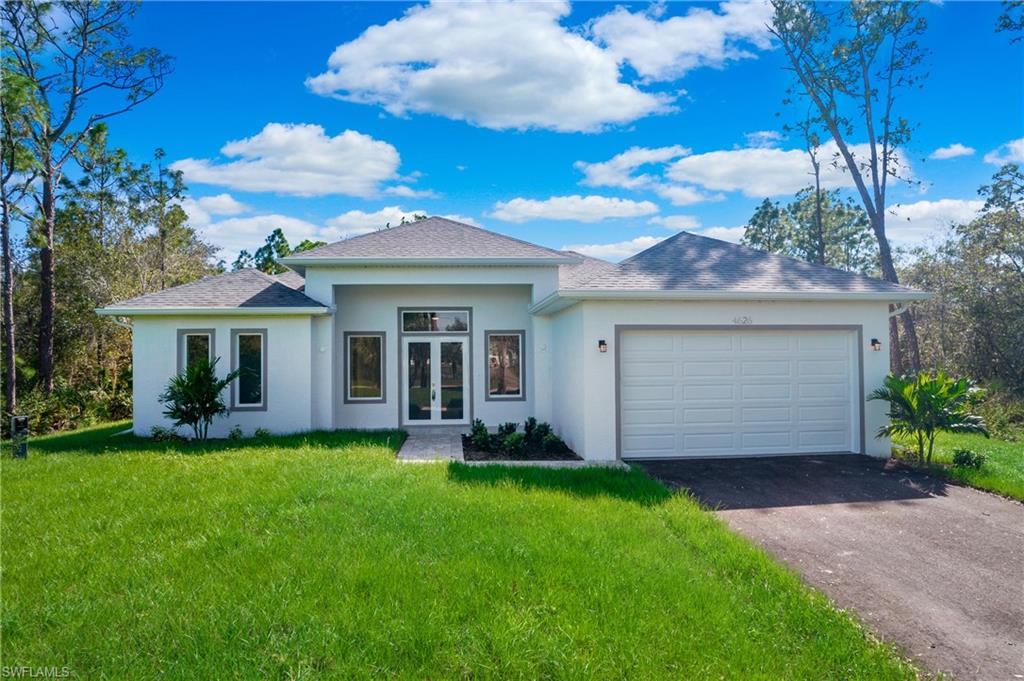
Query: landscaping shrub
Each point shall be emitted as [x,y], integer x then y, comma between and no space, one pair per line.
[506,429]
[921,406]
[1003,414]
[235,433]
[966,458]
[541,431]
[161,434]
[479,436]
[193,397]
[261,433]
[513,443]
[529,429]
[552,444]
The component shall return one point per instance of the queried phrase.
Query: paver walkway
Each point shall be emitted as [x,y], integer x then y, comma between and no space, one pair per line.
[432,444]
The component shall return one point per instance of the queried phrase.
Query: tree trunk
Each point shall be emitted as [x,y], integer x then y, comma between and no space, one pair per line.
[889,274]
[10,365]
[895,352]
[47,301]
[819,227]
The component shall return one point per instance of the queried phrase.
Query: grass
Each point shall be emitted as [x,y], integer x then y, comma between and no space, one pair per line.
[320,556]
[1002,472]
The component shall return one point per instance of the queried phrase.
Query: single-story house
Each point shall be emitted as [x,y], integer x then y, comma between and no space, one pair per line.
[694,347]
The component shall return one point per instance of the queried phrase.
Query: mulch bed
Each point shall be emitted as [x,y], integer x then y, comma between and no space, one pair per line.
[530,453]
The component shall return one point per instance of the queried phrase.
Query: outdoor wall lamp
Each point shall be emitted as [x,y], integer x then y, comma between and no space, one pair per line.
[876,344]
[602,346]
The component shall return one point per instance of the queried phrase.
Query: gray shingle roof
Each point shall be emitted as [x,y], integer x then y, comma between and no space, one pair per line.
[576,274]
[243,289]
[291,279]
[689,262]
[432,238]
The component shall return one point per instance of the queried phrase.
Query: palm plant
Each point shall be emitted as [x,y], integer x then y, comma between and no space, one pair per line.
[193,397]
[921,406]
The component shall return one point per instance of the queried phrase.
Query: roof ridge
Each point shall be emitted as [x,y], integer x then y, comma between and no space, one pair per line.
[488,231]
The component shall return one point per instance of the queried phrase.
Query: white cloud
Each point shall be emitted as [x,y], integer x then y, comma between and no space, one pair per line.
[200,210]
[615,251]
[576,207]
[498,64]
[248,233]
[952,151]
[1011,152]
[464,219]
[355,222]
[683,195]
[665,50]
[618,170]
[405,191]
[733,234]
[766,172]
[676,222]
[763,139]
[299,159]
[913,223]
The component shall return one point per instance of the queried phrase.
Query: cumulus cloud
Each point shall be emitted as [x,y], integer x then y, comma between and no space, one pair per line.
[618,171]
[355,222]
[498,64]
[952,151]
[676,222]
[766,172]
[1011,152]
[615,251]
[666,49]
[733,234]
[299,159]
[762,139]
[913,223]
[576,207]
[200,210]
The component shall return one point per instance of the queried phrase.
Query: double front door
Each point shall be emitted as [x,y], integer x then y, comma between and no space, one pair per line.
[435,380]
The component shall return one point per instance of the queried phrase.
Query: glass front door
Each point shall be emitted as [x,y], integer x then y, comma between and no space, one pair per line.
[436,381]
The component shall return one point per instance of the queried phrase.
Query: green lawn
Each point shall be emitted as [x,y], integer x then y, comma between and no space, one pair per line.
[1003,471]
[320,556]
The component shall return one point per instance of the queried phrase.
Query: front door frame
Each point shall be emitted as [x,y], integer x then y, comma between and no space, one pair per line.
[467,335]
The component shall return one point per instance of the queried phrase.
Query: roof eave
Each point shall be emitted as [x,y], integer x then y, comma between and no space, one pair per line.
[567,297]
[115,311]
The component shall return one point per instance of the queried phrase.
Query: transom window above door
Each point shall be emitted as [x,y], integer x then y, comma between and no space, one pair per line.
[435,321]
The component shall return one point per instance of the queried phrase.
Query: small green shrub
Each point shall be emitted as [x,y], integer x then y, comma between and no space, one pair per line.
[1003,414]
[541,431]
[193,397]
[552,444]
[235,433]
[261,433]
[506,429]
[161,434]
[513,443]
[479,436]
[966,458]
[529,429]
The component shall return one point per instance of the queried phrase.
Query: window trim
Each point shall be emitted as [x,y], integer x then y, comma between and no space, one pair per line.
[346,366]
[438,308]
[262,406]
[182,344]
[521,397]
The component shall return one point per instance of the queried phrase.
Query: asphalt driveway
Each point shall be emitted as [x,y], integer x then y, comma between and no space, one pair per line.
[936,568]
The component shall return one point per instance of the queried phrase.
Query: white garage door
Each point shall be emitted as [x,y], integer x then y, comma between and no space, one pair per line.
[737,393]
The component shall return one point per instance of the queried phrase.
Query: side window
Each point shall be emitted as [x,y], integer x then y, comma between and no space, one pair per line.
[505,365]
[249,356]
[364,375]
[193,345]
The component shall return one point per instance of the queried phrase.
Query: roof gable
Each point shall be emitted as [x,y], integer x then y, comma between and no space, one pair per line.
[431,239]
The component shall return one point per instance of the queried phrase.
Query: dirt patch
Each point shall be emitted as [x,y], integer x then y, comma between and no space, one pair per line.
[530,452]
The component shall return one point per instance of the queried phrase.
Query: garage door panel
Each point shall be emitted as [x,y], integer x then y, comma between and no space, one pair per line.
[745,393]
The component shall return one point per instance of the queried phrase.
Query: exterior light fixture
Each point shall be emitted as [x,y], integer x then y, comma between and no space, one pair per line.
[876,344]
[602,346]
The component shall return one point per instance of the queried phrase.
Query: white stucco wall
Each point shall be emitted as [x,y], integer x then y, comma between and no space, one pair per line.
[375,308]
[155,361]
[584,401]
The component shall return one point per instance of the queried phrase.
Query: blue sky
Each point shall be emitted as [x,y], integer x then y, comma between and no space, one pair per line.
[508,116]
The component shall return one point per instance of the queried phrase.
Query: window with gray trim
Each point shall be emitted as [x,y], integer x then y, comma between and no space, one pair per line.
[505,365]
[364,375]
[249,357]
[435,321]
[193,345]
